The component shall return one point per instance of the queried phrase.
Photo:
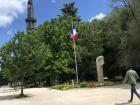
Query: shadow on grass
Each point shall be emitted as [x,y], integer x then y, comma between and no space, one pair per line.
[12,97]
[126,103]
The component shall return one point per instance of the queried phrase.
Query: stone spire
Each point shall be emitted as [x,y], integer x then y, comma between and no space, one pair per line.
[30,20]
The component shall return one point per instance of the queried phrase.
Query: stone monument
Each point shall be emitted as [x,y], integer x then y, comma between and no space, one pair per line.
[99,64]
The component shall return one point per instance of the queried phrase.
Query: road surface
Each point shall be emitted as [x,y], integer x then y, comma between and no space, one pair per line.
[108,95]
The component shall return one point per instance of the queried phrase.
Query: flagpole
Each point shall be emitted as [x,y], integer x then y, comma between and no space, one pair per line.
[77,81]
[74,45]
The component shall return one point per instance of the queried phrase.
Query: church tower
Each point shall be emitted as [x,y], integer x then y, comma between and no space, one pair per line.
[30,20]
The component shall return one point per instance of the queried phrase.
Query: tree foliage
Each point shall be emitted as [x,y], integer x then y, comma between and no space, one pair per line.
[22,55]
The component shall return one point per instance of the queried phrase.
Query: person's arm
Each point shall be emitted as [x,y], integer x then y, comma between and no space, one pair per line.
[125,78]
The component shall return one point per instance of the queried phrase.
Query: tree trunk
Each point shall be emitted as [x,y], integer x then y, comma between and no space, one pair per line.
[15,86]
[22,84]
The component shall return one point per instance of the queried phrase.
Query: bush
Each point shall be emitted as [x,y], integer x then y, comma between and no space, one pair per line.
[83,84]
[64,86]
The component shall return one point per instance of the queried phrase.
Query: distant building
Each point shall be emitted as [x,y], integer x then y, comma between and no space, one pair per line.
[30,20]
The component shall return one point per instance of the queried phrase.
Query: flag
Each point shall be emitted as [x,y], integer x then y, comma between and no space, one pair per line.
[73,33]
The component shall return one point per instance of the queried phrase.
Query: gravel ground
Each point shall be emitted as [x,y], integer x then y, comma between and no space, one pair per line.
[108,95]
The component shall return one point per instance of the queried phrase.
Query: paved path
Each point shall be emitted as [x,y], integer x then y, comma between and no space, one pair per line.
[111,95]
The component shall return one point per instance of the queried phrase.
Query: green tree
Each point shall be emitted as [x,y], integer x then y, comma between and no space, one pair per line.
[22,55]
[69,9]
[122,37]
[90,45]
[56,35]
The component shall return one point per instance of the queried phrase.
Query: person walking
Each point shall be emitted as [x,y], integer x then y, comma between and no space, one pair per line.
[131,77]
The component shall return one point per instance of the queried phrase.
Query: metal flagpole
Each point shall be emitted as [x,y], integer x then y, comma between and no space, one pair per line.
[76,63]
[76,71]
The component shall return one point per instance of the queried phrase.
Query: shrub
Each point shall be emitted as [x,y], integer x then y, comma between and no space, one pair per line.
[83,84]
[64,86]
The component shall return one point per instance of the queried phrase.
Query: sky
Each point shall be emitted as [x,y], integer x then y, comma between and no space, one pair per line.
[14,12]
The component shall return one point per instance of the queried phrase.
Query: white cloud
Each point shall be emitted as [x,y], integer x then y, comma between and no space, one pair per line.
[11,32]
[100,16]
[10,9]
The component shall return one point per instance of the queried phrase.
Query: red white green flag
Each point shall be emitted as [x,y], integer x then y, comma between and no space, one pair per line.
[73,33]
